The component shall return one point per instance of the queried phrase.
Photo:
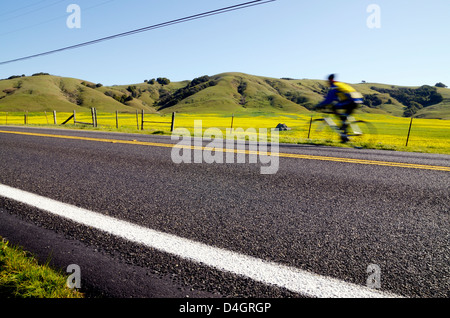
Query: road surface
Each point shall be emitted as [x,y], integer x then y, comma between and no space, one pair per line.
[325,223]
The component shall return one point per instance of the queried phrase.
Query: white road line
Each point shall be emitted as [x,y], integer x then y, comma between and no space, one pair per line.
[293,279]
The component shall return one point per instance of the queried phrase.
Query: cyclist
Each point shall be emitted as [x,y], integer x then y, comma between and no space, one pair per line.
[344,100]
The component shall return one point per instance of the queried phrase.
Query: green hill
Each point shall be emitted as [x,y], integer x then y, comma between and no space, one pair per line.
[221,93]
[48,93]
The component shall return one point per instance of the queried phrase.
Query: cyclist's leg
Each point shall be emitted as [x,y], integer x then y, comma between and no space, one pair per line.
[346,107]
[335,109]
[350,108]
[340,111]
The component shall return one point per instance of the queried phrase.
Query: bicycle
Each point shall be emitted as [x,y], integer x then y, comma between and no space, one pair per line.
[358,131]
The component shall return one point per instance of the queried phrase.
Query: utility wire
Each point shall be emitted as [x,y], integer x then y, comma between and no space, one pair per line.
[21,8]
[152,27]
[54,19]
[35,10]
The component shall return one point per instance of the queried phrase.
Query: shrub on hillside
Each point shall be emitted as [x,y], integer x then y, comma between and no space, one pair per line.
[15,76]
[133,90]
[124,98]
[424,95]
[372,100]
[195,86]
[9,91]
[163,81]
[411,109]
[40,74]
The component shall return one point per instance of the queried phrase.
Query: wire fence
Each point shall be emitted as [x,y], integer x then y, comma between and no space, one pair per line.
[426,135]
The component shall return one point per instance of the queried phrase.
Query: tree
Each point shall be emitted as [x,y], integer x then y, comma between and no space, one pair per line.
[424,95]
[441,85]
[372,100]
[133,90]
[199,80]
[40,74]
[168,99]
[412,108]
[163,81]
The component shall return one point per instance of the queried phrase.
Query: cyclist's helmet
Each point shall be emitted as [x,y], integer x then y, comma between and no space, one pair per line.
[331,77]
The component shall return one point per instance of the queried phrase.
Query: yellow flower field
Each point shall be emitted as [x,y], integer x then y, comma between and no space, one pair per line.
[427,135]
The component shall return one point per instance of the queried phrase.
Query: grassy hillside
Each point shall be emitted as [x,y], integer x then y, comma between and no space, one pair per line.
[439,111]
[221,93]
[48,93]
[237,93]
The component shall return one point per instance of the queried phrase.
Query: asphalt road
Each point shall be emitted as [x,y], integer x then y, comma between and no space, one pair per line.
[316,213]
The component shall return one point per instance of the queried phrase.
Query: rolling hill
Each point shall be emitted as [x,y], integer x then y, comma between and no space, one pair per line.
[221,93]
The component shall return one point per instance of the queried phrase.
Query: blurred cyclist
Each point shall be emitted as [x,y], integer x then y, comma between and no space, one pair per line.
[343,99]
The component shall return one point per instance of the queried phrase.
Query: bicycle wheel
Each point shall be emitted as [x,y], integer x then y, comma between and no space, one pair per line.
[320,131]
[363,133]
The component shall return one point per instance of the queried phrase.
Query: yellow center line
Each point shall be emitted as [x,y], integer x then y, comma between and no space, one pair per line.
[284,155]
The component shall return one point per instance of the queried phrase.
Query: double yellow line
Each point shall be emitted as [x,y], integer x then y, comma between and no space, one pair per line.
[282,155]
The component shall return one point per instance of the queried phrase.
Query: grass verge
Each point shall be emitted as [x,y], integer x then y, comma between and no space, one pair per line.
[22,277]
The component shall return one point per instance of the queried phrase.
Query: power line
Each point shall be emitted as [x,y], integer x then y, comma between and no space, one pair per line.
[54,19]
[35,10]
[21,8]
[149,28]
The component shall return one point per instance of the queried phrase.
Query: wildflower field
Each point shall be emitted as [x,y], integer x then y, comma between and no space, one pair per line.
[391,133]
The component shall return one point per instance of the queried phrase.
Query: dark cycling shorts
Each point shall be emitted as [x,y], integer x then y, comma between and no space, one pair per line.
[348,106]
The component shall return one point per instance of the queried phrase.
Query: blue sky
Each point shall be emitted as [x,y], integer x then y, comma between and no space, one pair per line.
[285,38]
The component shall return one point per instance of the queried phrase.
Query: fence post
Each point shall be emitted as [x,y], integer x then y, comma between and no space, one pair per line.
[409,132]
[142,120]
[173,122]
[137,119]
[310,124]
[54,117]
[117,119]
[232,121]
[93,116]
[74,117]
